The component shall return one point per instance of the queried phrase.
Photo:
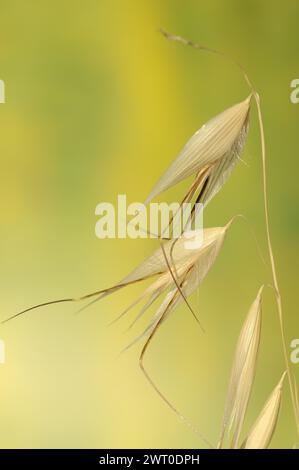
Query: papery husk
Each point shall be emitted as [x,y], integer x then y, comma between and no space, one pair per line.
[242,373]
[190,267]
[263,429]
[215,148]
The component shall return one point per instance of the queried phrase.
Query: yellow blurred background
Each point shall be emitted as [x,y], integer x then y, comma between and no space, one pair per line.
[98,104]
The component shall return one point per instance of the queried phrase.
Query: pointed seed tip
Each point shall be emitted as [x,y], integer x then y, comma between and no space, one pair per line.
[227,226]
[282,379]
[260,291]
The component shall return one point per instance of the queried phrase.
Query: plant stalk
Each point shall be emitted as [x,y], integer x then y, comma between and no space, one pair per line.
[273,267]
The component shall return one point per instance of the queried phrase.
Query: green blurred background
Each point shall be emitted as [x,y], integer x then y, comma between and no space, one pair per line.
[98,104]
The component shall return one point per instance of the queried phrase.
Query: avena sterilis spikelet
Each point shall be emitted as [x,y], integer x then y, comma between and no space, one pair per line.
[211,153]
[243,372]
[240,386]
[263,429]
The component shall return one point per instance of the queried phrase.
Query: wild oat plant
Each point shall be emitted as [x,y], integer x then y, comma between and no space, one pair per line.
[176,271]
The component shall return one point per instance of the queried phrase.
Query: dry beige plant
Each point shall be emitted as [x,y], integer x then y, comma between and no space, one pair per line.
[263,429]
[240,387]
[242,374]
[176,271]
[174,174]
[211,154]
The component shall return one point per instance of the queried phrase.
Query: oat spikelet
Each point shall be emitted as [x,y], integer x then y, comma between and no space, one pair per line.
[190,267]
[211,153]
[263,429]
[191,264]
[242,373]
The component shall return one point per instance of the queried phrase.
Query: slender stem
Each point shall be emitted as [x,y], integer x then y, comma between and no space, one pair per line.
[273,267]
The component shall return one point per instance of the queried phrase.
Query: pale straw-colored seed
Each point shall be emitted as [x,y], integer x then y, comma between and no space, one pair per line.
[242,373]
[214,148]
[190,267]
[263,429]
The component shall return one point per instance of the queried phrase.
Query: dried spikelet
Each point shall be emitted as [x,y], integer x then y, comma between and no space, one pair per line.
[185,259]
[211,153]
[242,373]
[262,431]
[180,252]
[190,266]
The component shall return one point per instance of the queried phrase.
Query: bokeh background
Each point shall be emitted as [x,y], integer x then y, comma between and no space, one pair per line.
[98,104]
